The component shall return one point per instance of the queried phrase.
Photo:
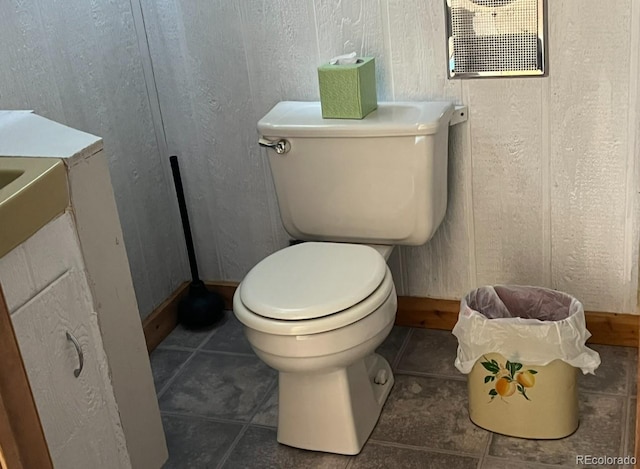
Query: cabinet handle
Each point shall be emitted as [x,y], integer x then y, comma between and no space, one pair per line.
[75,343]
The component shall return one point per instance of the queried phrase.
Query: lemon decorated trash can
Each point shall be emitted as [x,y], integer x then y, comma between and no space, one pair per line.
[522,348]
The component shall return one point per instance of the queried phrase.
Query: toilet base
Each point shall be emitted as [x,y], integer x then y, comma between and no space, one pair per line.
[334,411]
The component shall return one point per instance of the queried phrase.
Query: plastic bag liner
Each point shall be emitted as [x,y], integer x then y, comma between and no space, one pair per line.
[529,325]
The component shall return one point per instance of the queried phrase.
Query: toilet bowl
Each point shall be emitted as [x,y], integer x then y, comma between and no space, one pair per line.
[316,312]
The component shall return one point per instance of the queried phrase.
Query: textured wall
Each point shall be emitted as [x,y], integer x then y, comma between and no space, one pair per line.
[78,62]
[543,177]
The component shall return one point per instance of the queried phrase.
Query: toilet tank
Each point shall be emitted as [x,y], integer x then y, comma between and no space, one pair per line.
[379,180]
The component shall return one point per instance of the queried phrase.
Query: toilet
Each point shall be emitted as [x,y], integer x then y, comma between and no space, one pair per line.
[316,311]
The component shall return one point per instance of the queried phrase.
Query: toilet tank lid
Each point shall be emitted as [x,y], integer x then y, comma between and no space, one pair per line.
[304,119]
[312,280]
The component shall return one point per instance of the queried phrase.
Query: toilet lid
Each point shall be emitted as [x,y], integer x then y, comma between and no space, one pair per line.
[312,280]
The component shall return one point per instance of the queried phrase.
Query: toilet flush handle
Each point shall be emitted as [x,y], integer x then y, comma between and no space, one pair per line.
[280,146]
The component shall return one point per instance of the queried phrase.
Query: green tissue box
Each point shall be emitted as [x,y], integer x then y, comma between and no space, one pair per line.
[348,91]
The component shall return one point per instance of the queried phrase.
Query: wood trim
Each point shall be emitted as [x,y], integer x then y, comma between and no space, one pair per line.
[224,289]
[613,328]
[637,438]
[22,441]
[605,328]
[427,312]
[162,320]
[431,313]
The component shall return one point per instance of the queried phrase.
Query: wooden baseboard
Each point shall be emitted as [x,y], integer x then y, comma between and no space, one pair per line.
[637,438]
[162,320]
[606,328]
[427,313]
[224,289]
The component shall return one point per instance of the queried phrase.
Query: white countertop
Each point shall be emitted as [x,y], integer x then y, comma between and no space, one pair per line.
[25,134]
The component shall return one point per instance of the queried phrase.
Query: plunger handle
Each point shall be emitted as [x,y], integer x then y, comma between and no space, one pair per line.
[185,218]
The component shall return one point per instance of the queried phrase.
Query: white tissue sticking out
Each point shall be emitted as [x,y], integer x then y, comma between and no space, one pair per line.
[344,59]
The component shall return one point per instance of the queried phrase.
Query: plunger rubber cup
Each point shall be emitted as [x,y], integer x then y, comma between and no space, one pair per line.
[200,308]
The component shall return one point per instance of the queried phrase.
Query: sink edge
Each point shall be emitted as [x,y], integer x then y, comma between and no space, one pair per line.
[41,199]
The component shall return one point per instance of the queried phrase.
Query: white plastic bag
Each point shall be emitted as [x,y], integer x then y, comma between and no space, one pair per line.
[529,325]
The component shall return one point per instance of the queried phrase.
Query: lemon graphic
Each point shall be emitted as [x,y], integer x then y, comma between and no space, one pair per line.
[505,387]
[526,379]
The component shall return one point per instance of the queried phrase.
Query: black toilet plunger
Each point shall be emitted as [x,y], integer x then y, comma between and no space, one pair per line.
[200,307]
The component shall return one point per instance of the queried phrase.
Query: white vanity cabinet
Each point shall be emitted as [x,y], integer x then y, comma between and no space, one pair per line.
[48,296]
[73,276]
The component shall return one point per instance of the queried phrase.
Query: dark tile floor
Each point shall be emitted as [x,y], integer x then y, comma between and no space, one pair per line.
[219,409]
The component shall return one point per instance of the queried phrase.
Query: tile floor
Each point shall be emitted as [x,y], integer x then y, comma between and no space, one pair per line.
[219,408]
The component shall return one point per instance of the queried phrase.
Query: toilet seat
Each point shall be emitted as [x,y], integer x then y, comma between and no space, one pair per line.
[314,326]
[313,287]
[312,280]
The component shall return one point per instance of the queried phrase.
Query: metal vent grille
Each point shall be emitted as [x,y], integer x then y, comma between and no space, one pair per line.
[495,37]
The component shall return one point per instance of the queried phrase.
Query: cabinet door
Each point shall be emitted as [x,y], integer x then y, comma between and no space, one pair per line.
[79,415]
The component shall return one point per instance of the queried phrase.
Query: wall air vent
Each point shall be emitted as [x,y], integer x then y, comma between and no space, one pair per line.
[489,38]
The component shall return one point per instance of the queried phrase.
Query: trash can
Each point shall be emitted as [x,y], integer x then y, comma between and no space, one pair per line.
[521,347]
